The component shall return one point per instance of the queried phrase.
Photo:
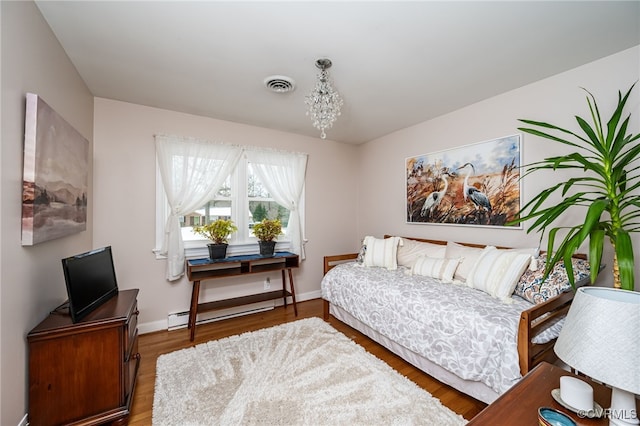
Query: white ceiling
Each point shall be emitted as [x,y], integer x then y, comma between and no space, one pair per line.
[394,63]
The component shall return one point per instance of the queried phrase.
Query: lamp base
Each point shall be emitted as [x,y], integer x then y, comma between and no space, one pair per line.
[623,408]
[620,422]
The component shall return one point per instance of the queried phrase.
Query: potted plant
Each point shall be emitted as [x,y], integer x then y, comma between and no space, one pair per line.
[266,232]
[217,231]
[606,183]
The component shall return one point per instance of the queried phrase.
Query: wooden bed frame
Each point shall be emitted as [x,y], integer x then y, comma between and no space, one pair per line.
[532,321]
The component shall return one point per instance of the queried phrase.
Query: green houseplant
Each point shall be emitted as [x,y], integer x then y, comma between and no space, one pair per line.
[217,231]
[266,232]
[607,183]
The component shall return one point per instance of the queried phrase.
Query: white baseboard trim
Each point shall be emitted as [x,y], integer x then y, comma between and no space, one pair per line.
[150,327]
[24,421]
[179,320]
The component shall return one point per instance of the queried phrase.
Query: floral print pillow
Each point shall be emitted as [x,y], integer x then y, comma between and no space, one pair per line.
[361,254]
[531,287]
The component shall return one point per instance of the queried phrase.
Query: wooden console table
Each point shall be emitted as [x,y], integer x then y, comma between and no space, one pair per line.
[519,405]
[206,269]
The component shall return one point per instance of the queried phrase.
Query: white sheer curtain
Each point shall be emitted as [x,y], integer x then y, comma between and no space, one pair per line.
[192,171]
[282,174]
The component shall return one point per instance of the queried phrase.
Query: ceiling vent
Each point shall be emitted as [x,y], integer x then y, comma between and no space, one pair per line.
[279,83]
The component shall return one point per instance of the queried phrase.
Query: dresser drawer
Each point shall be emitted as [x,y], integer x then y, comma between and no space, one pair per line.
[131,367]
[131,333]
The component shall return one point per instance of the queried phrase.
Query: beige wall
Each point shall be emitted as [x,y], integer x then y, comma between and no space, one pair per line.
[124,210]
[31,278]
[556,100]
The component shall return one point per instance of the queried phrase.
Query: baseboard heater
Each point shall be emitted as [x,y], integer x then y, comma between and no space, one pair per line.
[179,320]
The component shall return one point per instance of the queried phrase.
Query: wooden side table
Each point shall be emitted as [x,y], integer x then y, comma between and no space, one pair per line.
[207,269]
[519,405]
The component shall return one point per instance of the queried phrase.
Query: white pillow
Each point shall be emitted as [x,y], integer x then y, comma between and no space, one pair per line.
[409,252]
[442,269]
[497,272]
[533,251]
[469,255]
[381,252]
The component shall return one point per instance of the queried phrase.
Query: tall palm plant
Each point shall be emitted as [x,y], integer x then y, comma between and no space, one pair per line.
[607,183]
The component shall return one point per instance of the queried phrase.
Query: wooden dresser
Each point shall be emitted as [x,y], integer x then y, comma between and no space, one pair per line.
[85,373]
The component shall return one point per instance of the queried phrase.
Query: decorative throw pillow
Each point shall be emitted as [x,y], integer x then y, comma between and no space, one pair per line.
[382,252]
[361,253]
[531,287]
[440,268]
[409,252]
[469,256]
[533,251]
[497,272]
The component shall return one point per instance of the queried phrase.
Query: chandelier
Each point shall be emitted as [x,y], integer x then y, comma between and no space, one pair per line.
[323,102]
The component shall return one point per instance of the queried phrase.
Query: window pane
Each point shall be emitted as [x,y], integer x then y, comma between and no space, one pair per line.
[268,209]
[261,204]
[220,208]
[215,209]
[255,189]
[225,189]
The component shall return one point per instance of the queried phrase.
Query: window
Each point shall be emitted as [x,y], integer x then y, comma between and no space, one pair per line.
[261,203]
[197,171]
[242,198]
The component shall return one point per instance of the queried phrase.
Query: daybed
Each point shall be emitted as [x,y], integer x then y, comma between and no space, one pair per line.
[417,300]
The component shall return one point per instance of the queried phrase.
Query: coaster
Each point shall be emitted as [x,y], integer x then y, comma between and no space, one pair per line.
[595,413]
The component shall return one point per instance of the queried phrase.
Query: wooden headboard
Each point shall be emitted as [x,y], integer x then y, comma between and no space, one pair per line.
[444,243]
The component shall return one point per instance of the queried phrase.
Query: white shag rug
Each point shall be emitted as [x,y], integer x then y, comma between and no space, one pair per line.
[300,373]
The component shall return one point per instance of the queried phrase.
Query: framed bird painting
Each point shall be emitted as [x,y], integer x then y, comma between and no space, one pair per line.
[476,184]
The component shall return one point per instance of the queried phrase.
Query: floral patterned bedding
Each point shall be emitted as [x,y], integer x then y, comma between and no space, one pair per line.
[463,330]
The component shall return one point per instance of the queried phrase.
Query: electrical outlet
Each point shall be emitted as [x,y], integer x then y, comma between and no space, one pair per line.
[267,283]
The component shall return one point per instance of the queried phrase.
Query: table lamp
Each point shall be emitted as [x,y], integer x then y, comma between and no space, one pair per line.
[601,339]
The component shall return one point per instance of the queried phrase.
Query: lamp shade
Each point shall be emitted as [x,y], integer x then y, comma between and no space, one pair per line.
[601,336]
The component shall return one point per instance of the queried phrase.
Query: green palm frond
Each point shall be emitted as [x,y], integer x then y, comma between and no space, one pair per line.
[606,161]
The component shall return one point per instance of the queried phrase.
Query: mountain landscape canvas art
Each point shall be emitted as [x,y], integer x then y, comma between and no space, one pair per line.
[55,180]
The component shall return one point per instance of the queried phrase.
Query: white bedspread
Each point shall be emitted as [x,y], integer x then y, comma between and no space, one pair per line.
[464,330]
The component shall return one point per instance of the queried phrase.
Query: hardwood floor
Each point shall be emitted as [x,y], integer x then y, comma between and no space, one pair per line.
[154,344]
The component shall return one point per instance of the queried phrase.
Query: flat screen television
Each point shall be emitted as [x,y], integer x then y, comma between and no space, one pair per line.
[90,279]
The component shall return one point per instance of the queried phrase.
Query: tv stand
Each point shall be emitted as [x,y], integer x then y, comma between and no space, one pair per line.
[84,373]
